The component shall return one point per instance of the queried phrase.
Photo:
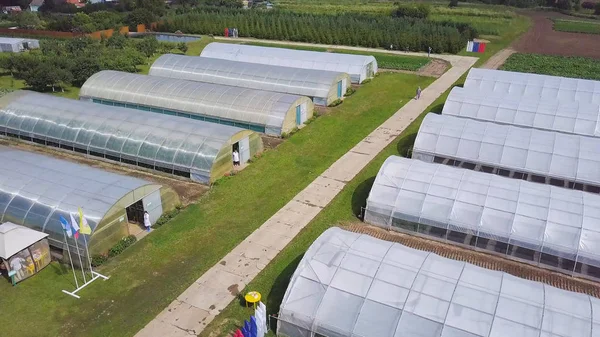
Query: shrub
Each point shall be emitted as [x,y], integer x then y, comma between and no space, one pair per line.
[349,91]
[367,80]
[588,5]
[98,260]
[453,3]
[166,216]
[335,103]
[121,245]
[597,10]
[420,11]
[564,4]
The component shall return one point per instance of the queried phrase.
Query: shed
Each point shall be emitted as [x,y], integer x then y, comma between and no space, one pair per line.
[323,87]
[193,149]
[350,284]
[547,226]
[36,190]
[359,67]
[17,45]
[546,157]
[257,110]
[23,250]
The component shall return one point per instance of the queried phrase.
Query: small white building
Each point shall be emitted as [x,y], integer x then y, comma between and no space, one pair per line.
[17,45]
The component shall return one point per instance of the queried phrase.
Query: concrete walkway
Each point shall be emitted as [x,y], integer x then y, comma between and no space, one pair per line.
[212,292]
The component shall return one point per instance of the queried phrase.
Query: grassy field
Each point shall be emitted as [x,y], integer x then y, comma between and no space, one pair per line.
[574,26]
[577,67]
[150,274]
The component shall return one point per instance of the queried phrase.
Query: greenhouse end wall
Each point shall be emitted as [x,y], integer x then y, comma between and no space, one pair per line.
[223,162]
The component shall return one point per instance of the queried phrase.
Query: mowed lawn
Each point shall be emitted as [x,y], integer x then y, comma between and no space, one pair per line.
[574,26]
[153,272]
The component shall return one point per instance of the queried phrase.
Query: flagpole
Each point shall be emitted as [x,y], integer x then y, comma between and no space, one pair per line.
[71,260]
[80,263]
[87,252]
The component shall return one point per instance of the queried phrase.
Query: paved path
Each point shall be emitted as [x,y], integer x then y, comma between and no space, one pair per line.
[213,291]
[498,59]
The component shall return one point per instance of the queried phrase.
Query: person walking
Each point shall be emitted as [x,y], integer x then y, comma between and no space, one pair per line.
[147,223]
[418,93]
[236,158]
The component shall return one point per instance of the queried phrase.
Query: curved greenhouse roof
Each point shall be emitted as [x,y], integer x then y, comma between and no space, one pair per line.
[544,114]
[359,67]
[35,190]
[263,111]
[191,148]
[544,155]
[321,86]
[350,284]
[534,85]
[453,204]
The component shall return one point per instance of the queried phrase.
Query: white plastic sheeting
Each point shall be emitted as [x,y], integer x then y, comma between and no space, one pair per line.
[549,154]
[359,67]
[544,114]
[354,285]
[317,84]
[534,85]
[412,196]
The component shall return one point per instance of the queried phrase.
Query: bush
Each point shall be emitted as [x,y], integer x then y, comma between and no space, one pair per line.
[121,245]
[453,3]
[597,10]
[166,216]
[588,5]
[564,4]
[349,92]
[98,260]
[335,103]
[366,81]
[420,11]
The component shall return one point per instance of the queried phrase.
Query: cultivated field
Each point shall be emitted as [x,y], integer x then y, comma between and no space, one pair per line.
[576,67]
[574,26]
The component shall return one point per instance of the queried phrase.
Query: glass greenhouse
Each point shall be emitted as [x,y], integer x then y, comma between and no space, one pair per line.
[533,85]
[548,226]
[190,148]
[36,190]
[544,114]
[359,67]
[261,111]
[323,87]
[350,285]
[554,158]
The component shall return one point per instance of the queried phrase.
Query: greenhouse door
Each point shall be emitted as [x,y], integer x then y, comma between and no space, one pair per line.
[135,212]
[339,89]
[298,115]
[244,150]
[153,205]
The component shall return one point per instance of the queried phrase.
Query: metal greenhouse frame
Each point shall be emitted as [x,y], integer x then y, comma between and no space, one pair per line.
[548,226]
[323,87]
[36,190]
[544,114]
[350,284]
[359,67]
[533,85]
[554,158]
[190,148]
[261,111]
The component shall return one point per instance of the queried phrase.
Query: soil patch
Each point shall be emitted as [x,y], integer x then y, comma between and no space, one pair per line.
[542,39]
[435,68]
[271,142]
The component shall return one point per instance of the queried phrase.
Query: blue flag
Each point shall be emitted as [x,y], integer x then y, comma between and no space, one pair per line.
[66,226]
[253,327]
[247,326]
[245,332]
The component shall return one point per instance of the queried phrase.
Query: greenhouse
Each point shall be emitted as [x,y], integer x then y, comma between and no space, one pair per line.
[544,114]
[533,85]
[547,226]
[261,111]
[359,67]
[323,87]
[36,190]
[17,45]
[350,285]
[189,148]
[545,157]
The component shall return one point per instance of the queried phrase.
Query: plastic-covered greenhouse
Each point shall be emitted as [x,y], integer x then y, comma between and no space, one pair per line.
[323,87]
[544,114]
[350,285]
[544,225]
[533,85]
[554,158]
[262,111]
[359,67]
[17,45]
[35,190]
[190,148]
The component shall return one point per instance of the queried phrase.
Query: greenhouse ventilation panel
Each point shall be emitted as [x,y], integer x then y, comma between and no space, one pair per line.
[548,226]
[323,87]
[359,67]
[189,148]
[544,114]
[533,85]
[36,190]
[257,110]
[350,285]
[554,158]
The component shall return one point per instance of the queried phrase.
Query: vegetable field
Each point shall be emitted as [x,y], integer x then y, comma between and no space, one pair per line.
[573,26]
[577,67]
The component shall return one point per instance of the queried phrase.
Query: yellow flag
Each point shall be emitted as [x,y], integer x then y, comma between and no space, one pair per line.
[84,228]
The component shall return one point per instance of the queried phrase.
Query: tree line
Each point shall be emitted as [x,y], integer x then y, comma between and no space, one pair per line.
[351,29]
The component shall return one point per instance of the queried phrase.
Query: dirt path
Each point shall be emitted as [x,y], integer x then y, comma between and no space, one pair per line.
[496,61]
[543,39]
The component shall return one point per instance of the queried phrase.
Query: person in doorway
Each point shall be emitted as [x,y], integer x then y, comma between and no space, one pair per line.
[236,158]
[17,264]
[147,223]
[429,52]
[418,92]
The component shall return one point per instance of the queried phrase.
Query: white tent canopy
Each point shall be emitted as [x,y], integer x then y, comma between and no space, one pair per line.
[15,238]
[354,285]
[533,85]
[545,114]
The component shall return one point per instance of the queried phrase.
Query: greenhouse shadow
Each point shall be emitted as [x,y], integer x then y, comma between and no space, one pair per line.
[280,285]
[359,197]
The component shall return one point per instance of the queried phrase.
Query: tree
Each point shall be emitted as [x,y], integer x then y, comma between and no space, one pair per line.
[83,23]
[28,20]
[183,47]
[83,68]
[117,41]
[453,3]
[148,46]
[141,16]
[597,10]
